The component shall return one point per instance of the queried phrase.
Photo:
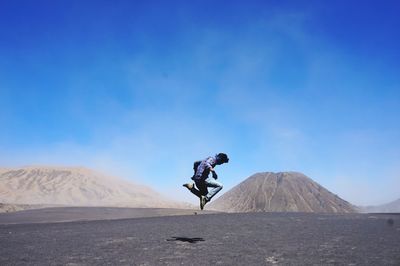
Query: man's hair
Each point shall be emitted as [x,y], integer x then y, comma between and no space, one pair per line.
[222,157]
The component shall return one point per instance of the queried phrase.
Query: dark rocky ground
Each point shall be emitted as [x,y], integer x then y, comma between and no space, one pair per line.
[215,239]
[69,214]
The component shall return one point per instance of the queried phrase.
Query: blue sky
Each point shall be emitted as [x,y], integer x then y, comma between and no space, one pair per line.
[141,89]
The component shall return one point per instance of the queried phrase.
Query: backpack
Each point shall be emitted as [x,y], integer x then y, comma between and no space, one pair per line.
[196,165]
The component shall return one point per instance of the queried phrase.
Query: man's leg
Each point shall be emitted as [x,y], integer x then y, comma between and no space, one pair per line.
[201,188]
[201,185]
[195,191]
[216,187]
[203,191]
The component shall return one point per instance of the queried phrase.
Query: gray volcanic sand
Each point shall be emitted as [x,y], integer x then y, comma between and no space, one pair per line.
[69,214]
[215,239]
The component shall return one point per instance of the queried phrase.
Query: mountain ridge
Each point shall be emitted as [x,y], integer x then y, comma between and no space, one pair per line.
[75,186]
[281,192]
[391,207]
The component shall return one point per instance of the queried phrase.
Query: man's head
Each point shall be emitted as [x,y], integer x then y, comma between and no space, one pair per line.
[222,158]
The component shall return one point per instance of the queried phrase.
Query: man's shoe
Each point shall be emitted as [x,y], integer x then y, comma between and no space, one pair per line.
[188,186]
[203,201]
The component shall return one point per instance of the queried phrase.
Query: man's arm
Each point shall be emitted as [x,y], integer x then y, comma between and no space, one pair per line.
[210,168]
[214,174]
[209,162]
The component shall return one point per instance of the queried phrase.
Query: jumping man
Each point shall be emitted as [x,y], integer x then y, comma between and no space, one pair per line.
[202,180]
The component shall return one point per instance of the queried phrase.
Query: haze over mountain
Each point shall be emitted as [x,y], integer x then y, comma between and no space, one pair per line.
[390,207]
[280,192]
[75,187]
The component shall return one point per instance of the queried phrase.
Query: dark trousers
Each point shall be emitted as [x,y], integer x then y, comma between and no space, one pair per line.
[203,185]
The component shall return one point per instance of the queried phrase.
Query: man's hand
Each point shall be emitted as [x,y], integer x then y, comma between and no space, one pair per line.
[214,174]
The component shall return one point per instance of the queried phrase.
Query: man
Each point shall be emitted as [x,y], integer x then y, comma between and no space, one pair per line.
[201,178]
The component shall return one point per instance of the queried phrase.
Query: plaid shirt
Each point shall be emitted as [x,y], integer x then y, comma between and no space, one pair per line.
[203,170]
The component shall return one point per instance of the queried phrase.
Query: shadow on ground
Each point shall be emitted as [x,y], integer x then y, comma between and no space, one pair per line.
[186,239]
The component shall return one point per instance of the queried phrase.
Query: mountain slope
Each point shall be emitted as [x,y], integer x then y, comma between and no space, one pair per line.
[391,207]
[280,192]
[74,187]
